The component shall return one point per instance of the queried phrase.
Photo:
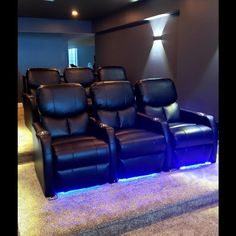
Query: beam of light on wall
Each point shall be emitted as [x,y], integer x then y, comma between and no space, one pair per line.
[194,166]
[138,177]
[158,24]
[157,62]
[75,191]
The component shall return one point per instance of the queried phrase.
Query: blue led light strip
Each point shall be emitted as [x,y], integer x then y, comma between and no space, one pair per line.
[71,192]
[194,166]
[138,177]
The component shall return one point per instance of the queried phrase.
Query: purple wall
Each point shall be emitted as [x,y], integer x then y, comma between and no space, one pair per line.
[189,55]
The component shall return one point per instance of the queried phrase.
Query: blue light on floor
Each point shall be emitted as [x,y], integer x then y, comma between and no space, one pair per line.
[138,177]
[194,166]
[74,191]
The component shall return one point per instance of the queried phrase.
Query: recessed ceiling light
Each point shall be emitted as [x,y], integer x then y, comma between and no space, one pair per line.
[49,0]
[74,13]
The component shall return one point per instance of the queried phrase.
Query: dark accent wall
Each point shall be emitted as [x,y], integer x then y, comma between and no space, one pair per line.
[189,53]
[197,79]
[134,49]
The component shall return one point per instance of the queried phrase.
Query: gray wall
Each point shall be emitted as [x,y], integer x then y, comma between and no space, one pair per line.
[85,55]
[40,50]
[41,25]
[189,55]
[44,43]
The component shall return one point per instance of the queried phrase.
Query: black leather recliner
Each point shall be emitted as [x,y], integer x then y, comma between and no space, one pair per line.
[111,73]
[192,135]
[82,75]
[33,79]
[71,150]
[141,145]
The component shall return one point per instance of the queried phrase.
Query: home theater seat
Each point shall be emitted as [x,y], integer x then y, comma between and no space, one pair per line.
[141,145]
[33,79]
[192,135]
[71,150]
[83,76]
[111,73]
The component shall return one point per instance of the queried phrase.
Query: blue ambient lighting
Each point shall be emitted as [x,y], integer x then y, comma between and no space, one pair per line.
[138,177]
[194,166]
[71,192]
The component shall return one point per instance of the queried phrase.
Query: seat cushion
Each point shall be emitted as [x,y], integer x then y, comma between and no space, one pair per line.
[187,135]
[79,151]
[139,142]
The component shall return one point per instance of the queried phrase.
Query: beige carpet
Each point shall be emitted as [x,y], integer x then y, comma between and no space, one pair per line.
[25,141]
[113,209]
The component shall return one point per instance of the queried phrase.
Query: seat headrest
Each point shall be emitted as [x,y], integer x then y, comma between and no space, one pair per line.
[156,91]
[112,73]
[80,75]
[112,95]
[42,76]
[61,100]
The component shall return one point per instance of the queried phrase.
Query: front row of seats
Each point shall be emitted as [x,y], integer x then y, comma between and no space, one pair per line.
[74,150]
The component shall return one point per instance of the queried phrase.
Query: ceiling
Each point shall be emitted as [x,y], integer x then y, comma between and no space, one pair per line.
[61,9]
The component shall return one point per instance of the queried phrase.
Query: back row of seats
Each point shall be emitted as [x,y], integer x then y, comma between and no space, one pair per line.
[44,76]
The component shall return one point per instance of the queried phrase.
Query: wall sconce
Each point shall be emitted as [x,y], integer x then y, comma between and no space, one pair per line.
[160,37]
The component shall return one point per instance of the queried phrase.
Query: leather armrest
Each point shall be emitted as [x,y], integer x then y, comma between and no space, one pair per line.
[155,123]
[99,123]
[31,114]
[147,122]
[151,122]
[43,158]
[107,133]
[40,131]
[197,117]
[30,98]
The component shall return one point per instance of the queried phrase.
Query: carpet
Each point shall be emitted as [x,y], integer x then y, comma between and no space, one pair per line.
[203,221]
[113,209]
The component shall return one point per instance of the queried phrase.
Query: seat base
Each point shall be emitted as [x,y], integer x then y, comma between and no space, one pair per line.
[142,165]
[192,155]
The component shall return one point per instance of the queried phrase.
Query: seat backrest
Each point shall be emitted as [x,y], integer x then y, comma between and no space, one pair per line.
[82,75]
[157,97]
[114,103]
[63,109]
[41,76]
[111,73]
